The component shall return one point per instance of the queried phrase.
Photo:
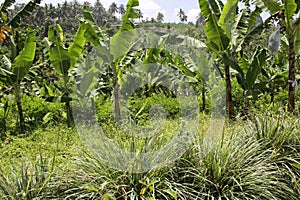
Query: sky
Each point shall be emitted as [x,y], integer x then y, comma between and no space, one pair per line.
[150,8]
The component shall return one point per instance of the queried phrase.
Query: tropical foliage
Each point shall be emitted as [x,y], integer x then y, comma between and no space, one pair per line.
[134,73]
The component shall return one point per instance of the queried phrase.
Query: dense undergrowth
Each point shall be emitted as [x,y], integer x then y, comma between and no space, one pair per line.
[256,158]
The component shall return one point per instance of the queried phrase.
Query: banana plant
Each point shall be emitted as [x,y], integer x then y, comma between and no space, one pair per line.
[7,25]
[286,12]
[63,59]
[228,30]
[113,51]
[17,67]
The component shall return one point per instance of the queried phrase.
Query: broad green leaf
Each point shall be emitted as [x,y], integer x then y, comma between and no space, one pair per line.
[87,14]
[227,16]
[122,40]
[131,12]
[255,68]
[297,39]
[60,60]
[87,82]
[23,62]
[192,42]
[272,5]
[290,9]
[239,28]
[58,54]
[215,34]
[55,34]
[204,7]
[254,15]
[274,41]
[76,47]
[215,8]
[245,28]
[93,33]
[280,75]
[244,63]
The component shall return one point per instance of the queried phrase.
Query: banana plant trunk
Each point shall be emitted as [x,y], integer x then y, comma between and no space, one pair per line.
[117,101]
[291,81]
[20,111]
[203,96]
[3,127]
[229,92]
[69,113]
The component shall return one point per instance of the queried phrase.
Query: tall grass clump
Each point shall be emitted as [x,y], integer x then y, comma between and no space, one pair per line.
[242,166]
[27,181]
[92,179]
[281,135]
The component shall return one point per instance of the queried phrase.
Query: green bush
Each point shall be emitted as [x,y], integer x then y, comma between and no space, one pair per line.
[37,111]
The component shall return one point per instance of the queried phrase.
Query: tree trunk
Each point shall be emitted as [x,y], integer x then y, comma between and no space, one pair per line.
[69,113]
[272,96]
[291,81]
[229,92]
[3,129]
[116,101]
[21,114]
[203,96]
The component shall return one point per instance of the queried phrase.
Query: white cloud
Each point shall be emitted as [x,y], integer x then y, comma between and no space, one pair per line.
[193,14]
[150,9]
[176,11]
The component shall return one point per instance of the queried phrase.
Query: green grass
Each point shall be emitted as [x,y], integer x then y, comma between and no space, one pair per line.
[256,158]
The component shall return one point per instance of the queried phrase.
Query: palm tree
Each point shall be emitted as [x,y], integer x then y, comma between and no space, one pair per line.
[200,20]
[100,13]
[140,15]
[122,9]
[113,8]
[160,17]
[181,15]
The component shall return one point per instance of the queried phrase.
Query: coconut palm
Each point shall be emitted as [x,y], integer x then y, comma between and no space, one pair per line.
[181,15]
[122,9]
[113,8]
[160,17]
[100,13]
[140,15]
